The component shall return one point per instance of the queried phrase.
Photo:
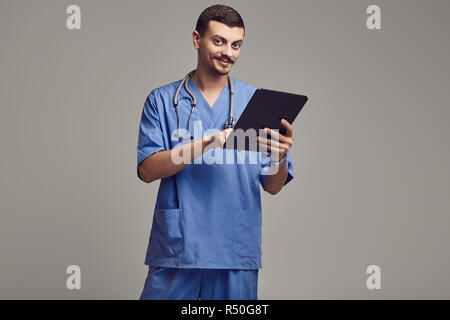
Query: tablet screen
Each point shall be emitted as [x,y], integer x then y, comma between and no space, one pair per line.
[265,109]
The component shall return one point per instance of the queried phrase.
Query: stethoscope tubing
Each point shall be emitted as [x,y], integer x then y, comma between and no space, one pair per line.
[229,123]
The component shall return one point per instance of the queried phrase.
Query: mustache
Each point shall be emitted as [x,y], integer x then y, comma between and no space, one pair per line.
[226,59]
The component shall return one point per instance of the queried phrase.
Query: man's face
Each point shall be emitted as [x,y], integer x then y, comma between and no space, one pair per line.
[220,46]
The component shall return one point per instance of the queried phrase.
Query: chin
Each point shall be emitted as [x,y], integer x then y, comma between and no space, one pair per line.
[223,71]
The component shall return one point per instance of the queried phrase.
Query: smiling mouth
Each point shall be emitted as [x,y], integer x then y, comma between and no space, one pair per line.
[224,62]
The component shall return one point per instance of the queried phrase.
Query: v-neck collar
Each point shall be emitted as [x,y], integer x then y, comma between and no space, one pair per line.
[199,93]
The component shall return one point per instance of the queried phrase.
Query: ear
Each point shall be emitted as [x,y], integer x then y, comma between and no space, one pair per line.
[196,39]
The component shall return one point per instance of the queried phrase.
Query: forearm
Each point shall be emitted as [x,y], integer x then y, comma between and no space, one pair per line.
[273,183]
[161,164]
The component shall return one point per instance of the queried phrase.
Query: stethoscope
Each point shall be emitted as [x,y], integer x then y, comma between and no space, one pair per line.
[229,123]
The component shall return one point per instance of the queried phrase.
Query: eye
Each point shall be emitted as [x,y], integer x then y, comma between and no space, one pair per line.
[237,45]
[217,40]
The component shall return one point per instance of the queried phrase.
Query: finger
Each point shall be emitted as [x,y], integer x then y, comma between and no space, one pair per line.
[275,153]
[288,126]
[272,142]
[262,147]
[208,138]
[267,147]
[227,132]
[276,135]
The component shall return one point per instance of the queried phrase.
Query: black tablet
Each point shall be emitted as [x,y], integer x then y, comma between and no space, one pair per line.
[265,109]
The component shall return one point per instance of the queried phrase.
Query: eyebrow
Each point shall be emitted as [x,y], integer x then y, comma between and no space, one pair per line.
[216,35]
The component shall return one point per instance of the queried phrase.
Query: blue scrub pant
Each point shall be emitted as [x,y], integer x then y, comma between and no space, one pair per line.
[205,284]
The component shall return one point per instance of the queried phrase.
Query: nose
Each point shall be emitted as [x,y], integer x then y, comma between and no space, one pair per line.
[228,52]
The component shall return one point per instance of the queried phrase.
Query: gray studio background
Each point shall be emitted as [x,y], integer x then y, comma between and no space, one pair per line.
[371,154]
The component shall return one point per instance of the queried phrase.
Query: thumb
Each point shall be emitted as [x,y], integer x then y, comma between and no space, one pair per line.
[209,138]
[228,132]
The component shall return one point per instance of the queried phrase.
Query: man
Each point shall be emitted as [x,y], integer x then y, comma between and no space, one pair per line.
[205,241]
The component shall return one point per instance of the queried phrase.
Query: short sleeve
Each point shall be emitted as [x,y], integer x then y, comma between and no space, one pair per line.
[150,139]
[265,165]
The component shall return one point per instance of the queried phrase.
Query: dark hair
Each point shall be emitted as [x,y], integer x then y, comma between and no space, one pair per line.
[220,13]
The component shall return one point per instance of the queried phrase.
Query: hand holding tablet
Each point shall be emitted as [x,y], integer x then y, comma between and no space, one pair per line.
[265,109]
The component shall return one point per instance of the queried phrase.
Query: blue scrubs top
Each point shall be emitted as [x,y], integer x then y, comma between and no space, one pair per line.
[208,215]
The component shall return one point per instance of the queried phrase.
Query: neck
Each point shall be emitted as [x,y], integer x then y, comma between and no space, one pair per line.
[208,82]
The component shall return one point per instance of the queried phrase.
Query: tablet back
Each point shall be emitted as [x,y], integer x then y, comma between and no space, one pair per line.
[265,109]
